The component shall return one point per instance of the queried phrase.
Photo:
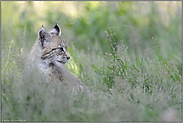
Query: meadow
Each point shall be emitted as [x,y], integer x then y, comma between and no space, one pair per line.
[127,53]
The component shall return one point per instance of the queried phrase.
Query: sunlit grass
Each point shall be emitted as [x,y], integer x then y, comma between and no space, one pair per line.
[131,94]
[132,74]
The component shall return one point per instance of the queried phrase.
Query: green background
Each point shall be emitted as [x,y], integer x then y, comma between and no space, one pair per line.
[128,53]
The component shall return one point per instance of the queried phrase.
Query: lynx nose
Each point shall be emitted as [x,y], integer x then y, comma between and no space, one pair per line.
[68,57]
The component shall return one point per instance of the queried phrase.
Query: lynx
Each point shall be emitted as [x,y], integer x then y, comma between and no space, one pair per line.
[49,53]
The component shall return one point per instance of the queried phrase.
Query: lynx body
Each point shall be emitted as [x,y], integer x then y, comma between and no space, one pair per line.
[49,54]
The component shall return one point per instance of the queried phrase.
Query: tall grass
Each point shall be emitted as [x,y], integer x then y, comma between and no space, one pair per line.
[125,90]
[129,81]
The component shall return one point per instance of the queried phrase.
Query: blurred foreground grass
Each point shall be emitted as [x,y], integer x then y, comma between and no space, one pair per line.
[129,58]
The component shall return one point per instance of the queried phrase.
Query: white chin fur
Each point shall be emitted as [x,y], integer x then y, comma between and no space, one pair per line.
[59,64]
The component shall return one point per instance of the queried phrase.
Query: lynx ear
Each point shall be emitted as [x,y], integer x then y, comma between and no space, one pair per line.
[41,33]
[56,30]
[42,37]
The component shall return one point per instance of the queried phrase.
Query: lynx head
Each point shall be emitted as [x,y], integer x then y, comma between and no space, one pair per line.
[54,48]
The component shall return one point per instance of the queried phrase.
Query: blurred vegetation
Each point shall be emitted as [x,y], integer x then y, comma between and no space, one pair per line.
[128,53]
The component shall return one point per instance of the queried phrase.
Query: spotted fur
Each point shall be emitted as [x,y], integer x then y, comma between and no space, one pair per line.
[49,53]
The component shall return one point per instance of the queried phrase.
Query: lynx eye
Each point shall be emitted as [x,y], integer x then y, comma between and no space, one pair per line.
[61,49]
